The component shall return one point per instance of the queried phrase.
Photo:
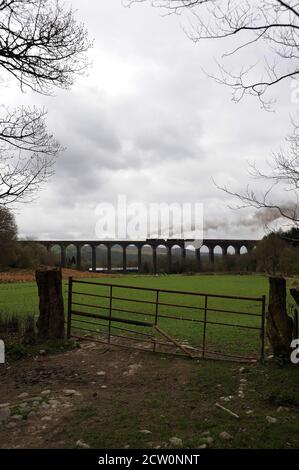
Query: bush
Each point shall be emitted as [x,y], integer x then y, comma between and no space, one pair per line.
[31,255]
[18,326]
[8,236]
[274,255]
[14,254]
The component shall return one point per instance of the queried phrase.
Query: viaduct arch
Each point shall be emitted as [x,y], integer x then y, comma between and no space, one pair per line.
[210,244]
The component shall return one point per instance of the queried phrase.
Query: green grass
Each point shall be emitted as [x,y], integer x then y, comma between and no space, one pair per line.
[21,299]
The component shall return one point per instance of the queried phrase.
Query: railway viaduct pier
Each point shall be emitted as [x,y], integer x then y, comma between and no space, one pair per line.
[169,244]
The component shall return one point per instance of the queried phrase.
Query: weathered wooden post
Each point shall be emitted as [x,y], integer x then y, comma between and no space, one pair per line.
[279,324]
[50,323]
[295,294]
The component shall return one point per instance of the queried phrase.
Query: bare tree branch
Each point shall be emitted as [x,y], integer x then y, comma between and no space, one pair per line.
[41,47]
[270,25]
[41,44]
[27,153]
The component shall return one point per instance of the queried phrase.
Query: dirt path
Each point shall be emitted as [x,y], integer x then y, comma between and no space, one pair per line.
[115,398]
[46,393]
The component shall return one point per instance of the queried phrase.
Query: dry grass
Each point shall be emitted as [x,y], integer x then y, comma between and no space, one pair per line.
[28,275]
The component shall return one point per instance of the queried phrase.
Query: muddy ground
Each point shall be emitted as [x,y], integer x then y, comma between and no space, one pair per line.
[45,392]
[98,397]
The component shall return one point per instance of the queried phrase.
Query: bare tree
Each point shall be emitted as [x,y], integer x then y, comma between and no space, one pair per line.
[272,28]
[283,175]
[271,24]
[8,236]
[41,47]
[8,227]
[27,153]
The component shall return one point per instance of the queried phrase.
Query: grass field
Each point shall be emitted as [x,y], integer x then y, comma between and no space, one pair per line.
[169,396]
[21,299]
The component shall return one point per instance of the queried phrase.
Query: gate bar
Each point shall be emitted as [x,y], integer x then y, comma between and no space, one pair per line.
[117,319]
[110,313]
[156,316]
[171,291]
[180,346]
[263,328]
[204,328]
[69,310]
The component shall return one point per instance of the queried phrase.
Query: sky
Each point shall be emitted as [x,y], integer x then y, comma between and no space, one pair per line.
[149,123]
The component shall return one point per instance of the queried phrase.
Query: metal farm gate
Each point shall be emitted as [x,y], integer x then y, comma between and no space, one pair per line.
[192,324]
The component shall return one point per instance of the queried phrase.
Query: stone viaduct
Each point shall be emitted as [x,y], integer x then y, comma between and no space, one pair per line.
[210,244]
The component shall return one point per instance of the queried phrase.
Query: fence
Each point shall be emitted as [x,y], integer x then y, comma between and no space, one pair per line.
[197,325]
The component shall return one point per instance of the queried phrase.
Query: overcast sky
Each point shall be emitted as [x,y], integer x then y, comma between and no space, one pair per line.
[147,122]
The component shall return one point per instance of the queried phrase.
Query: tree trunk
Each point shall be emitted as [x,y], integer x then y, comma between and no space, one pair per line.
[279,324]
[51,310]
[295,295]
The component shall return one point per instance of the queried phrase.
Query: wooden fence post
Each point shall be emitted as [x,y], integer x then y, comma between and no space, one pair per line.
[50,323]
[295,294]
[279,324]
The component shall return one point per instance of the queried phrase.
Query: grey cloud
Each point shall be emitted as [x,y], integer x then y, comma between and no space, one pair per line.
[148,123]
